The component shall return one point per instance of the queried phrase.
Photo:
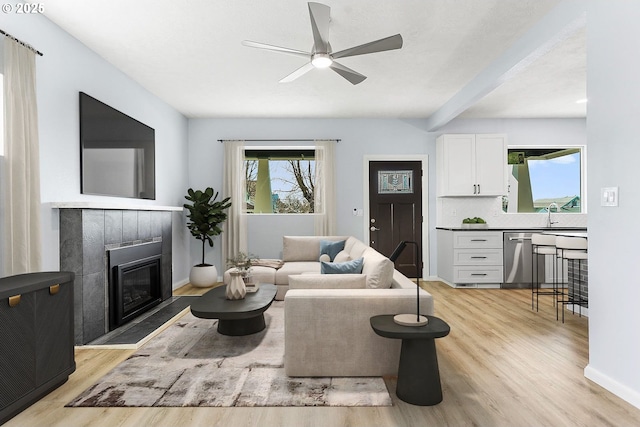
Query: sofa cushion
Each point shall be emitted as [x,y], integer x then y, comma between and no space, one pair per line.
[327,281]
[304,248]
[355,247]
[295,267]
[331,248]
[348,267]
[378,269]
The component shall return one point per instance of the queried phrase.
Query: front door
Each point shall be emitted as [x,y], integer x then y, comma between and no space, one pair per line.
[395,208]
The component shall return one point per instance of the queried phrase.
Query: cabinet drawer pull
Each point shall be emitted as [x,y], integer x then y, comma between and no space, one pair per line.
[478,274]
[54,289]
[478,240]
[479,257]
[14,300]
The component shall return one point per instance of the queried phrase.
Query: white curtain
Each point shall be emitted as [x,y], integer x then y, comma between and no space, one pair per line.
[234,236]
[22,175]
[324,198]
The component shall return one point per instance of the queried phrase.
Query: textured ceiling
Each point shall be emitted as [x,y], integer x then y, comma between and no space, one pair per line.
[189,54]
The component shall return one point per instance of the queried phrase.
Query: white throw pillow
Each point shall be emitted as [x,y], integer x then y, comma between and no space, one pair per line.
[342,256]
[325,258]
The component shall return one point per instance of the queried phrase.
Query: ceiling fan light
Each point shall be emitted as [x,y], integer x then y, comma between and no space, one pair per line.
[321,60]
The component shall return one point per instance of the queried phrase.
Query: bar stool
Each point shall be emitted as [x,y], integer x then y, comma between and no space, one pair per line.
[572,249]
[542,245]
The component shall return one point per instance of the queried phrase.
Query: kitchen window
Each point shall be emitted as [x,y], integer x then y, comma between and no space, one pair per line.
[543,179]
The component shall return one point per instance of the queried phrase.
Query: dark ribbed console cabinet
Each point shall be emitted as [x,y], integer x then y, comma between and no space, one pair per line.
[36,337]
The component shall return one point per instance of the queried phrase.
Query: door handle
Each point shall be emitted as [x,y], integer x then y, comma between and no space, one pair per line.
[374,228]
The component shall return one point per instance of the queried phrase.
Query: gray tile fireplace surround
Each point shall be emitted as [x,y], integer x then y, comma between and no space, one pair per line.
[85,236]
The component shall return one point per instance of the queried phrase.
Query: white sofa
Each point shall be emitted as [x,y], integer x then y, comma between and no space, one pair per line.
[300,254]
[327,316]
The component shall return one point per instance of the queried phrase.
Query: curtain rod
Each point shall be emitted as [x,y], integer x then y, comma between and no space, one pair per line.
[27,45]
[281,140]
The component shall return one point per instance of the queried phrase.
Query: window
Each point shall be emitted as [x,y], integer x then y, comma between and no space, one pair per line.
[543,179]
[280,181]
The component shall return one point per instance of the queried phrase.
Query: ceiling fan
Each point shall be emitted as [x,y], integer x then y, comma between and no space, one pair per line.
[321,55]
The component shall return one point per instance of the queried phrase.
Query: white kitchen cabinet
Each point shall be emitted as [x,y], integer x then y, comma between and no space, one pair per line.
[470,258]
[471,164]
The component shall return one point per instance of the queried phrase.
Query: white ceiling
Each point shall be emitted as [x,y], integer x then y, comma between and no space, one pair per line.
[188,53]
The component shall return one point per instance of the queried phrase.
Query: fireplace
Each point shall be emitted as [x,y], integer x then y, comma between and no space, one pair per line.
[134,281]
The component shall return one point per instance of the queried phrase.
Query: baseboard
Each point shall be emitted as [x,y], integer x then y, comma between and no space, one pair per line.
[570,307]
[179,284]
[615,387]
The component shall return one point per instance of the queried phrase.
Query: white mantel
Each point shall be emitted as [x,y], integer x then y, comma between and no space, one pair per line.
[115,206]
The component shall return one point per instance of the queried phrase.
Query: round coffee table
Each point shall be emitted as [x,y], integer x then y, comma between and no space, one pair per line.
[418,375]
[236,317]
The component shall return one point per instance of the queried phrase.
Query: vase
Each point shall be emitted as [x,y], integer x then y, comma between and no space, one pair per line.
[236,288]
[203,276]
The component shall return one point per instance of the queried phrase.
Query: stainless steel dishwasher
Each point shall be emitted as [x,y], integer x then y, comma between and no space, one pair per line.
[518,261]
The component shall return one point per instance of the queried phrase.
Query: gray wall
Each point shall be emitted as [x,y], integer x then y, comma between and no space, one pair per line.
[66,68]
[612,126]
[359,137]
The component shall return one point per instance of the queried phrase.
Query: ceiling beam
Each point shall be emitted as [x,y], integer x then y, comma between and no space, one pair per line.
[558,25]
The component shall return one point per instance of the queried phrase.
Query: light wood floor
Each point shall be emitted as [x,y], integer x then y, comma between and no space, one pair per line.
[502,365]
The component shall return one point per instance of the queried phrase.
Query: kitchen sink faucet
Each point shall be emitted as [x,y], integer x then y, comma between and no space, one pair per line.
[549,222]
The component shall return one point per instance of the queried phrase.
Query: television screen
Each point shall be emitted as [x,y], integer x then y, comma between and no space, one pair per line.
[117,152]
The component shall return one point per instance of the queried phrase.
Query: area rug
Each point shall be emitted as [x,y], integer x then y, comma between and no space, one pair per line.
[191,364]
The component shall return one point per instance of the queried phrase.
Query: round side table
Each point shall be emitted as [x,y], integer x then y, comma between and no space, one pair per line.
[418,374]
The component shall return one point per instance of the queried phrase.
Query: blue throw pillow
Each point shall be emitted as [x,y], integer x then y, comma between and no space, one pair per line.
[349,267]
[331,248]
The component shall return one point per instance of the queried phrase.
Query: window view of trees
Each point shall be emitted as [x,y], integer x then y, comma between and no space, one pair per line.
[282,182]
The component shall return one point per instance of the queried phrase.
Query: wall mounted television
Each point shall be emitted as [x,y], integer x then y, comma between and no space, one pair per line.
[117,152]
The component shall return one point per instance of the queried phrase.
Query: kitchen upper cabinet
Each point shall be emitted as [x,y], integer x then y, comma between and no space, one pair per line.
[471,164]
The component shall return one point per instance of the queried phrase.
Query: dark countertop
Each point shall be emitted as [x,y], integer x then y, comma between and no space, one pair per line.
[514,229]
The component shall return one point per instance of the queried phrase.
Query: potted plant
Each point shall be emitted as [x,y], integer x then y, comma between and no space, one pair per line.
[242,262]
[205,217]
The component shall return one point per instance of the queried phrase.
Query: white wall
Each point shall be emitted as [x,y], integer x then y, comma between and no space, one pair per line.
[66,68]
[359,137]
[520,132]
[613,87]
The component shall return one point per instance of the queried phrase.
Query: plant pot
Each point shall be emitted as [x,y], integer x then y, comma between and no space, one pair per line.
[236,289]
[203,276]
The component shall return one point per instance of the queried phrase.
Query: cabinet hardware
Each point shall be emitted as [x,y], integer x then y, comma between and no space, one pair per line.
[54,289]
[14,300]
[478,240]
[478,188]
[479,257]
[478,274]
[474,189]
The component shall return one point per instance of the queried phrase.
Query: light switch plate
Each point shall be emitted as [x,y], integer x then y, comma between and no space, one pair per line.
[609,196]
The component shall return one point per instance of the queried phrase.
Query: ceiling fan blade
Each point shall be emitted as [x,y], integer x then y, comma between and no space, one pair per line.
[353,76]
[276,48]
[297,73]
[320,18]
[388,43]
